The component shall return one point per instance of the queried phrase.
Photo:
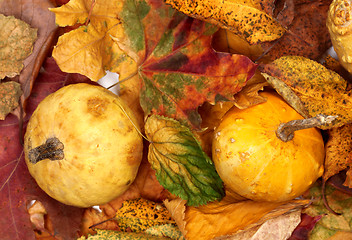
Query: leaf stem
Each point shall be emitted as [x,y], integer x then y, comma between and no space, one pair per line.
[90,12]
[285,131]
[325,201]
[123,80]
[104,221]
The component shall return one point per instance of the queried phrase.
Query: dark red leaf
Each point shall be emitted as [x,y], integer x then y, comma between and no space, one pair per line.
[306,225]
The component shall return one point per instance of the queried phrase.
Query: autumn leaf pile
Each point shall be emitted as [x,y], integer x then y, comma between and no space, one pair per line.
[181,66]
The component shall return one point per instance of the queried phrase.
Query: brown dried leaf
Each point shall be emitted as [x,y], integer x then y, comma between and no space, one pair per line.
[348,180]
[10,93]
[97,218]
[37,212]
[36,14]
[278,228]
[177,209]
[249,96]
[305,37]
[338,151]
[16,38]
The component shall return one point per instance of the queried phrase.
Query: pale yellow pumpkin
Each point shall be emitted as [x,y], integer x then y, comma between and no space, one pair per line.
[253,162]
[93,139]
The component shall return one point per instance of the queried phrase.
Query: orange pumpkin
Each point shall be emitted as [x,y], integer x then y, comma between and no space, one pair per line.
[253,162]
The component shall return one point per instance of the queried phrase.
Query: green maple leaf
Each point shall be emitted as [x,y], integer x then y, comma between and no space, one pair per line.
[330,223]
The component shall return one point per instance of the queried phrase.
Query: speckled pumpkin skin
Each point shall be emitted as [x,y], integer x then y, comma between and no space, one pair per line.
[254,163]
[102,148]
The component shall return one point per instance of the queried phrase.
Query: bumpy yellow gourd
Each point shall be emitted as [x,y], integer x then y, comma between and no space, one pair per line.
[81,147]
[253,162]
[339,24]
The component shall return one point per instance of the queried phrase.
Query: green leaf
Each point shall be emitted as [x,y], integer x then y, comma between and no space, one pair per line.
[180,163]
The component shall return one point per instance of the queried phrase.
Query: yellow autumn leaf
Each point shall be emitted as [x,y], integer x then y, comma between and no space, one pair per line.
[140,214]
[96,47]
[226,41]
[245,18]
[226,217]
[310,88]
[117,235]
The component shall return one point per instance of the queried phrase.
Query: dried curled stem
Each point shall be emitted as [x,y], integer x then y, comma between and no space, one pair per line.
[285,131]
[52,149]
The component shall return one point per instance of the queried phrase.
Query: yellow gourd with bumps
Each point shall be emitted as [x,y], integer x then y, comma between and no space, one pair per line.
[81,145]
[253,162]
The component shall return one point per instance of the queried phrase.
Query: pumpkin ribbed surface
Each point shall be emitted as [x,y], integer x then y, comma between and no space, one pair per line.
[253,162]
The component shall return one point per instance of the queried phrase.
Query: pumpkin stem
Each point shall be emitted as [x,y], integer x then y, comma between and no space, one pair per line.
[285,131]
[52,149]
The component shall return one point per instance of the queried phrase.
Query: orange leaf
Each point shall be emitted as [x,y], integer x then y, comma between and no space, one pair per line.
[227,216]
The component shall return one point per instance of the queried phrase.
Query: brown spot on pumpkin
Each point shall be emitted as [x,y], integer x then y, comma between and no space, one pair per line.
[129,129]
[76,162]
[97,106]
[133,159]
[133,154]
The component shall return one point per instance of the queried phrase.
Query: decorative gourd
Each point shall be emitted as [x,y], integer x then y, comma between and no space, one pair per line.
[81,145]
[253,162]
[339,24]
